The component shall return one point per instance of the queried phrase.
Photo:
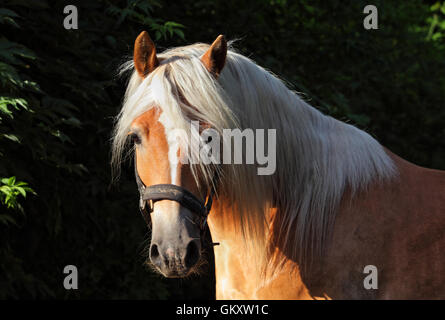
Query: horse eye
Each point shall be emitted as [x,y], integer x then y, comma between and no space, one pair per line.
[135,138]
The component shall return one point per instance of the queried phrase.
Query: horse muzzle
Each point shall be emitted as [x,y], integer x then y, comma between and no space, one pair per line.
[175,261]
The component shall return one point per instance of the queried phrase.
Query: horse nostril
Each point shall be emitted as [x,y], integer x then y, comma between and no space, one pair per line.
[192,254]
[154,254]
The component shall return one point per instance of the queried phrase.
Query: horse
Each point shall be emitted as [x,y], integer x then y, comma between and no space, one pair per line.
[341,216]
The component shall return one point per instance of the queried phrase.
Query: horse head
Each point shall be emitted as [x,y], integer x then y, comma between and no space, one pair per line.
[171,200]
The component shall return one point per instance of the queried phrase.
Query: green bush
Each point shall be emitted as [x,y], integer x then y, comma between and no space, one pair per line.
[59,93]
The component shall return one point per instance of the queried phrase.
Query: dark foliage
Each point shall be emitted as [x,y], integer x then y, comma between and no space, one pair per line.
[59,93]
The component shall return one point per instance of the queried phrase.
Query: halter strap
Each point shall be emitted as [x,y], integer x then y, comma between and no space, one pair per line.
[175,193]
[172,192]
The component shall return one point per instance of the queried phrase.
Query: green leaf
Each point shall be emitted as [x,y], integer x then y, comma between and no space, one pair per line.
[21,191]
[16,103]
[7,12]
[174,24]
[7,219]
[11,181]
[10,50]
[180,33]
[435,6]
[12,137]
[6,17]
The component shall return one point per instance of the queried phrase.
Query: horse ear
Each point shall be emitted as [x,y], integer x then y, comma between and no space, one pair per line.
[144,57]
[215,57]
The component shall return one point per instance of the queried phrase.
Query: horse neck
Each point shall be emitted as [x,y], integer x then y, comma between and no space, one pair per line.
[239,272]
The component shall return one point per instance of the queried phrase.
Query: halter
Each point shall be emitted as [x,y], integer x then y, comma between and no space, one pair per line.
[176,193]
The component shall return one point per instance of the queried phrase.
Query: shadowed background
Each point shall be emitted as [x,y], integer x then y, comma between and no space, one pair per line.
[59,93]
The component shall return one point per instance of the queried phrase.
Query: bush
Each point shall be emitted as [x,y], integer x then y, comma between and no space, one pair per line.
[59,94]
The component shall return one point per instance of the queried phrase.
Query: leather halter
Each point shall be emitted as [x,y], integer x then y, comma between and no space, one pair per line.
[176,193]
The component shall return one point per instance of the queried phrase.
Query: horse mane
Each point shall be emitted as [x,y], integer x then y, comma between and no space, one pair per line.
[317,156]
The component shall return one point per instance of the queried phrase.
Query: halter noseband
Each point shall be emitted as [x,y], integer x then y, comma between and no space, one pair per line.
[176,193]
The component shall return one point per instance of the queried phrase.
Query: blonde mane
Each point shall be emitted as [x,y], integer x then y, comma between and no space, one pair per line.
[317,155]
